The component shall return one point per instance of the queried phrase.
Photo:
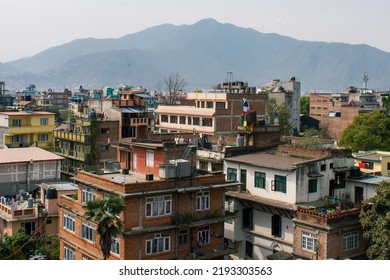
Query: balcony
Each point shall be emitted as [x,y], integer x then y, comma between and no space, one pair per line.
[204,218]
[17,210]
[326,219]
[138,121]
[71,136]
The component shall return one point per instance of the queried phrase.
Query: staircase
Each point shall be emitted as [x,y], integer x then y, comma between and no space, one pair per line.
[187,152]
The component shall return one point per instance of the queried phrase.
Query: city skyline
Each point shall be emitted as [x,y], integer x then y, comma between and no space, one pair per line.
[34,26]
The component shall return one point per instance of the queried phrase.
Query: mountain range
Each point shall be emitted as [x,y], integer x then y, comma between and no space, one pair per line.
[202,53]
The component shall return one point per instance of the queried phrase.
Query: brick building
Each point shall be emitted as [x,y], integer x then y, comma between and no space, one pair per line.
[164,219]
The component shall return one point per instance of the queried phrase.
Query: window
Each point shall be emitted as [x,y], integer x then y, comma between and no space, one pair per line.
[231,174]
[243,179]
[247,218]
[17,138]
[164,118]
[366,165]
[189,120]
[158,243]
[312,185]
[115,246]
[203,200]
[69,253]
[182,120]
[68,222]
[323,167]
[195,121]
[350,241]
[43,137]
[340,179]
[173,119]
[183,236]
[259,180]
[16,122]
[104,130]
[203,165]
[309,241]
[149,158]
[158,206]
[276,225]
[220,105]
[44,121]
[279,184]
[88,194]
[204,235]
[29,227]
[209,104]
[248,250]
[207,122]
[88,232]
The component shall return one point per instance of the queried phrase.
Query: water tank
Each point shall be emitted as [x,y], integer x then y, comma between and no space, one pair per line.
[30,202]
[240,141]
[355,172]
[125,171]
[51,193]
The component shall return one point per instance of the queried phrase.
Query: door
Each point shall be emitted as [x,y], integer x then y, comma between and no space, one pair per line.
[358,194]
[243,179]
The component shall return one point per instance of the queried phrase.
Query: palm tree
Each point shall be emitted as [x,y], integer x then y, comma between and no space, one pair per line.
[106,214]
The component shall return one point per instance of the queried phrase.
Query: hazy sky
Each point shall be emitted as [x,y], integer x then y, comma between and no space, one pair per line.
[28,27]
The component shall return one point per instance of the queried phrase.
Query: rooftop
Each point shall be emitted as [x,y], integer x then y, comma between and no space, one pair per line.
[24,113]
[270,160]
[20,155]
[185,110]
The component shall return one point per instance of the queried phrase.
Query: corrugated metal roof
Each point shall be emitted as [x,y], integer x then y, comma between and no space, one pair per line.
[131,110]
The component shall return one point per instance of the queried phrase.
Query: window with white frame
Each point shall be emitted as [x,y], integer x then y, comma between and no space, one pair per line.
[68,222]
[115,246]
[88,232]
[69,253]
[158,206]
[204,235]
[350,241]
[88,194]
[158,243]
[309,241]
[149,158]
[203,200]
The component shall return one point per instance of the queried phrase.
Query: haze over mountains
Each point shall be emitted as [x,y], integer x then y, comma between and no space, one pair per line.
[202,54]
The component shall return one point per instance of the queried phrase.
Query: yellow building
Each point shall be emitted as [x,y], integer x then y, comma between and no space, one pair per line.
[27,129]
[373,162]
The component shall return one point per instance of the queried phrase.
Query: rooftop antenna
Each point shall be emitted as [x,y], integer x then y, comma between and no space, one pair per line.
[365,80]
[229,77]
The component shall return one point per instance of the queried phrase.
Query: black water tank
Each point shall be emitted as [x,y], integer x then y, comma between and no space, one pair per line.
[125,171]
[51,193]
[355,172]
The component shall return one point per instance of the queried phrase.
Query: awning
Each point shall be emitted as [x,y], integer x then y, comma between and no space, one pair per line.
[315,174]
[131,110]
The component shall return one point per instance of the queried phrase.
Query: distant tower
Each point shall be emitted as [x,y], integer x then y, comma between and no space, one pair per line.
[365,80]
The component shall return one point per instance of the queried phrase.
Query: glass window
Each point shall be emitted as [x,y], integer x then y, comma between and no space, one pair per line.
[158,206]
[279,184]
[115,246]
[204,235]
[309,241]
[203,200]
[312,185]
[149,158]
[231,174]
[164,118]
[16,122]
[182,120]
[68,222]
[350,241]
[44,121]
[69,253]
[207,122]
[88,232]
[43,137]
[259,180]
[88,194]
[209,104]
[196,121]
[220,105]
[158,243]
[183,236]
[173,119]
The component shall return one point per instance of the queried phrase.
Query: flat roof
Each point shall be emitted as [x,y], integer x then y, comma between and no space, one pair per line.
[18,155]
[270,160]
[23,113]
[185,110]
[375,180]
[372,157]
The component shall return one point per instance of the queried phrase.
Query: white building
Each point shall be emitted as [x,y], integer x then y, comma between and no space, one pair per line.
[273,185]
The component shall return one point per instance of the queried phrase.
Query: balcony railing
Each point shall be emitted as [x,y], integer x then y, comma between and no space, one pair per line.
[71,136]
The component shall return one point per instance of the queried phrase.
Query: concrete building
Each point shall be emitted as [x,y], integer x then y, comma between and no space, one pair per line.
[53,100]
[289,94]
[373,162]
[336,111]
[27,129]
[274,183]
[37,215]
[216,112]
[164,218]
[22,168]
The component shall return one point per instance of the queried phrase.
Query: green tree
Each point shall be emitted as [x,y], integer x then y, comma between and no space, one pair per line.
[105,213]
[284,120]
[369,131]
[376,224]
[305,105]
[271,108]
[386,103]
